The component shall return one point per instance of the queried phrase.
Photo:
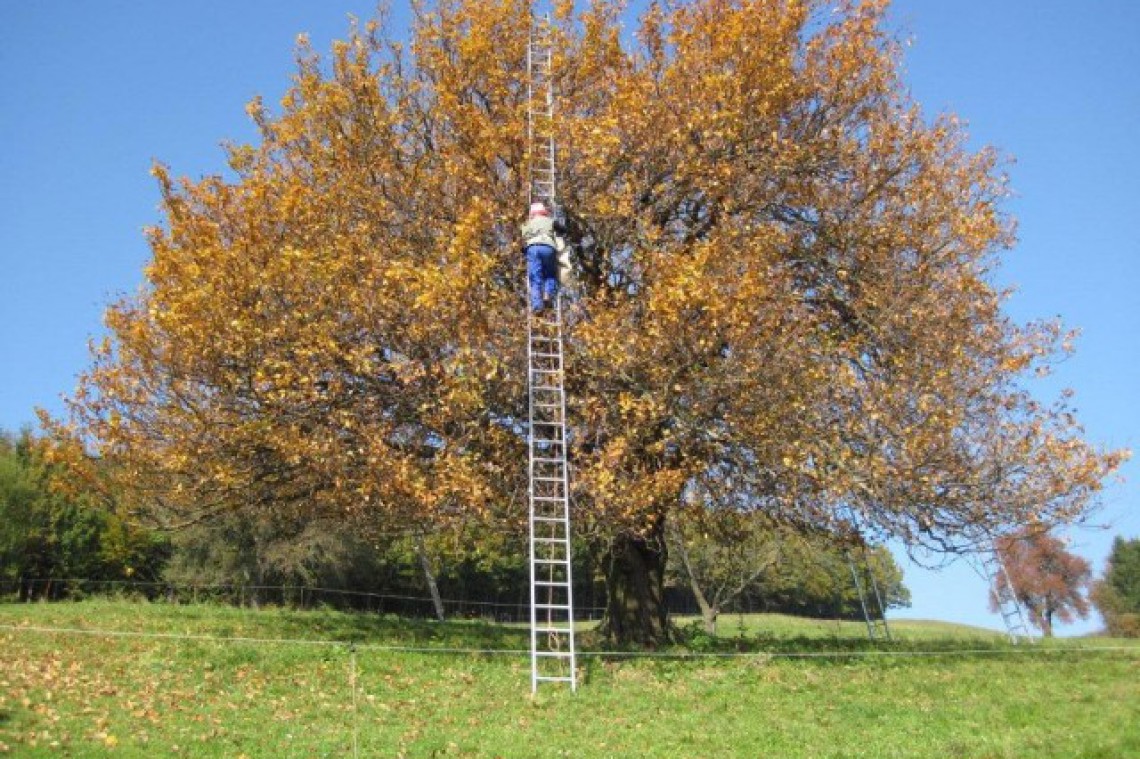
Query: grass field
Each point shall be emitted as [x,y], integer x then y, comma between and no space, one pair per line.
[222,682]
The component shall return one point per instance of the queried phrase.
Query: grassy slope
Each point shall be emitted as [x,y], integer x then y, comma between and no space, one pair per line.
[93,695]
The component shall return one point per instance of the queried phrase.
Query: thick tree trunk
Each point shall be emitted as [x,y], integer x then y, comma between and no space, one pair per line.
[635,581]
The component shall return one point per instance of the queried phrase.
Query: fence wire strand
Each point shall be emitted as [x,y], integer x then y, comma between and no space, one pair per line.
[353,647]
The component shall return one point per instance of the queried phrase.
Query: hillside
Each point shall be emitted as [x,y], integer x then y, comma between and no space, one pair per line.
[157,680]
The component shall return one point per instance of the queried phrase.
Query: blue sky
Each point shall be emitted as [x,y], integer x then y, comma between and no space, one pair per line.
[92,93]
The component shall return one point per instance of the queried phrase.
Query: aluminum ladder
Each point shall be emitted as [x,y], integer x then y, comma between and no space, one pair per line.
[552,649]
[541,176]
[870,598]
[994,573]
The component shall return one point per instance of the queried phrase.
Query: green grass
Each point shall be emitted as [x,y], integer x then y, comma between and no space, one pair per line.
[938,691]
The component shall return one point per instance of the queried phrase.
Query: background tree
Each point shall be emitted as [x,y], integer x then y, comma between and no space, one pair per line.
[731,561]
[1117,594]
[720,555]
[1048,580]
[50,533]
[784,289]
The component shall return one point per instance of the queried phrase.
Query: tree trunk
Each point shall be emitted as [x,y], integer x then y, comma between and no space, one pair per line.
[635,581]
[709,612]
[429,577]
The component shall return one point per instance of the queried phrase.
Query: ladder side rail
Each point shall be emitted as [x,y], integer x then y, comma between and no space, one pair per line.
[529,134]
[530,499]
[550,125]
[566,497]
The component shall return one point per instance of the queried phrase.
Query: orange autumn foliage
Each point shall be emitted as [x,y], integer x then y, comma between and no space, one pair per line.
[783,285]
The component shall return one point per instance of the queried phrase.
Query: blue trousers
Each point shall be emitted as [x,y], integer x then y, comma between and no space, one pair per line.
[542,273]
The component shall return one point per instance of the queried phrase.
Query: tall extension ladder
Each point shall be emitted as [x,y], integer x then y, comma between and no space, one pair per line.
[995,574]
[552,651]
[540,115]
[871,603]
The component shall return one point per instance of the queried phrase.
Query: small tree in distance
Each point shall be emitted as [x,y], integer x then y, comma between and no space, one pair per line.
[1047,580]
[1117,594]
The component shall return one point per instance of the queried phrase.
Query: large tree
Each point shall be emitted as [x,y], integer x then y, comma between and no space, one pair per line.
[784,289]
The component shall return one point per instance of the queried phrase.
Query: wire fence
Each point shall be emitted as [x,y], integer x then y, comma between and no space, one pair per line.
[504,607]
[675,655]
[290,596]
[307,597]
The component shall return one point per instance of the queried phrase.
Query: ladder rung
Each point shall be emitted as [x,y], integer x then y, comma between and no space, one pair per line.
[549,519]
[558,654]
[563,607]
[548,629]
[548,461]
[552,583]
[551,540]
[551,561]
[549,498]
[548,479]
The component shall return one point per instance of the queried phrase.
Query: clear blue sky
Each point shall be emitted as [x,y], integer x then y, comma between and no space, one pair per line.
[91,93]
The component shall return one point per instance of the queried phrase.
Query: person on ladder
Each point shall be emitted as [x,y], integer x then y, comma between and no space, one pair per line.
[545,252]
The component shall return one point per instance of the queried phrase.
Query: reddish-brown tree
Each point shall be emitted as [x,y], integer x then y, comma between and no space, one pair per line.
[1047,580]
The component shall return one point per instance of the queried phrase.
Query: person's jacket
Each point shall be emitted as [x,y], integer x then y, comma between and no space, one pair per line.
[539,230]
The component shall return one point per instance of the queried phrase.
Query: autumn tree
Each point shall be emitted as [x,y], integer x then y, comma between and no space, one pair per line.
[1117,594]
[784,287]
[1044,577]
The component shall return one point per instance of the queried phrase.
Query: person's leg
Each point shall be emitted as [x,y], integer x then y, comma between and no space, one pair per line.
[534,276]
[550,273]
